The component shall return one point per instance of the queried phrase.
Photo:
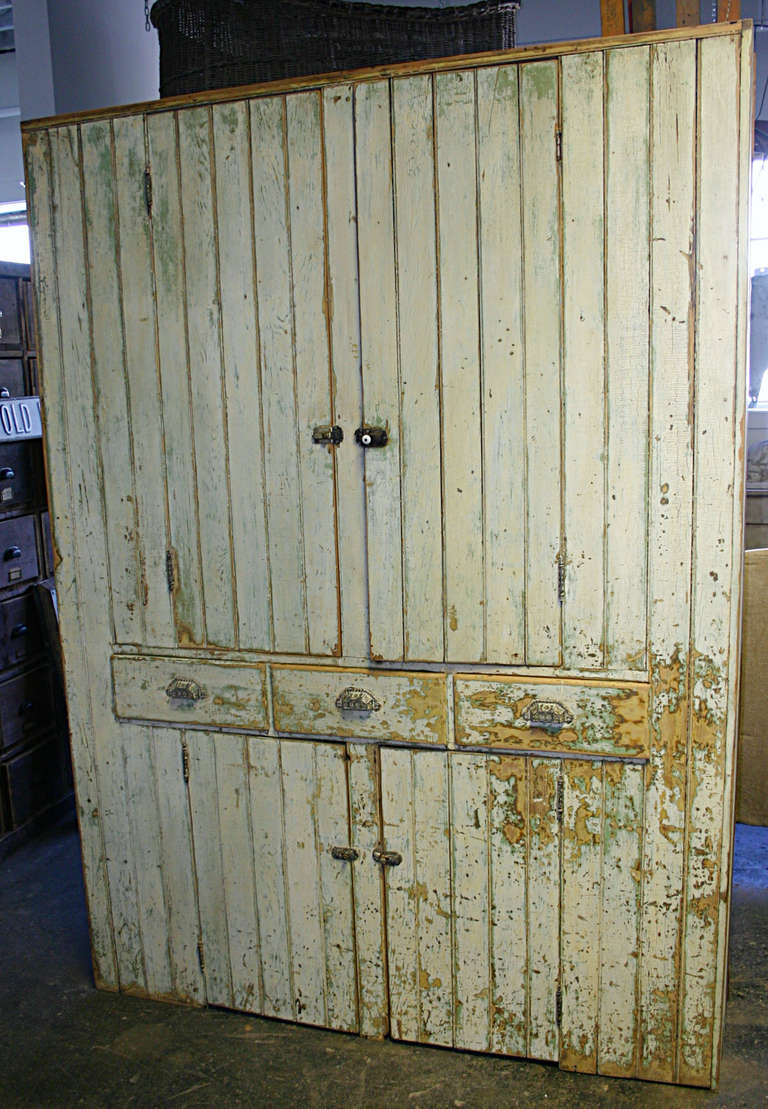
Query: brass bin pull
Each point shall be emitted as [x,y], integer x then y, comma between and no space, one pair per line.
[185,689]
[357,700]
[346,854]
[549,713]
[387,858]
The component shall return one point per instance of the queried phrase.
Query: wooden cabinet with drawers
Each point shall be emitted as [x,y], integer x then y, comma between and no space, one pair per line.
[395,428]
[35,776]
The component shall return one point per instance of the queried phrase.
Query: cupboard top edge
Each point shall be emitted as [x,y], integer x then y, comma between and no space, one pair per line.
[742,28]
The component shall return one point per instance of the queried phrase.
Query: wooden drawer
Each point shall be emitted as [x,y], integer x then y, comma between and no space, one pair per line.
[12,378]
[542,715]
[20,633]
[26,706]
[10,316]
[406,707]
[179,691]
[18,550]
[34,781]
[17,474]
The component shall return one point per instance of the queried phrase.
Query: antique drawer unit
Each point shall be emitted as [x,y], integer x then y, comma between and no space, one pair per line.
[394,426]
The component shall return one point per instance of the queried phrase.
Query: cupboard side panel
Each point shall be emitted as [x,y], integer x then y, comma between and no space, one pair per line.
[539,121]
[504,432]
[673,115]
[175,385]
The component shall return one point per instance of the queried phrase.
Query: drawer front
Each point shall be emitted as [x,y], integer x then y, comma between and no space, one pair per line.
[183,692]
[26,706]
[17,474]
[606,719]
[18,550]
[35,780]
[10,316]
[20,633]
[360,704]
[12,378]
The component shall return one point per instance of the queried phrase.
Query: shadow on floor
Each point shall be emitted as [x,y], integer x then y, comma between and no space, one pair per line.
[66,1044]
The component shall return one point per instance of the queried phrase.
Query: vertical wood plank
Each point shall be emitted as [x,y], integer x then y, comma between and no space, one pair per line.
[205,372]
[306,201]
[716,440]
[286,551]
[239,891]
[146,413]
[583,357]
[509,837]
[173,351]
[673,113]
[687,13]
[266,801]
[470,902]
[114,447]
[580,916]
[209,865]
[414,175]
[336,894]
[643,15]
[399,834]
[338,131]
[627,251]
[302,881]
[178,866]
[611,17]
[498,163]
[543,903]
[370,931]
[381,371]
[461,378]
[728,10]
[242,382]
[620,915]
[147,857]
[541,283]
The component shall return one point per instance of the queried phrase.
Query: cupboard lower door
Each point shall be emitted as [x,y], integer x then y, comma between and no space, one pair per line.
[512,917]
[279,875]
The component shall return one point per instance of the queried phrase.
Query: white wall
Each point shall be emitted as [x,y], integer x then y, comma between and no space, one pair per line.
[11,168]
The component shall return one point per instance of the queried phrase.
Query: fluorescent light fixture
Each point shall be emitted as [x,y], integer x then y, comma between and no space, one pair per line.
[9,206]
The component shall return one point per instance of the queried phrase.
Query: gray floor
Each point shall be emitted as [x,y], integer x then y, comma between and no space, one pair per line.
[62,1043]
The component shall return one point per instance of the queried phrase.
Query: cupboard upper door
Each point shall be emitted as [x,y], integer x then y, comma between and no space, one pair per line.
[207,247]
[504,276]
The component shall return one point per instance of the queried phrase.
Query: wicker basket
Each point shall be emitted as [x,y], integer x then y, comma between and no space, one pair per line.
[210,44]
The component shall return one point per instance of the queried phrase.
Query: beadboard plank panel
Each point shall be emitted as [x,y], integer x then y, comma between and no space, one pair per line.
[414,176]
[504,453]
[176,388]
[242,380]
[543,910]
[541,282]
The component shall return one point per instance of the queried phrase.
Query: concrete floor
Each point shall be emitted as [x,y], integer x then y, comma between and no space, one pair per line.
[62,1043]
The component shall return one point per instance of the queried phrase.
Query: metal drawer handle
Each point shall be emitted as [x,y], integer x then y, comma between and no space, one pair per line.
[6,474]
[387,858]
[347,854]
[357,700]
[11,553]
[549,713]
[25,707]
[18,630]
[5,392]
[185,689]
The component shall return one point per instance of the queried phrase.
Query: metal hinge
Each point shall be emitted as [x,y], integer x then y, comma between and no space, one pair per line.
[170,570]
[185,761]
[558,1006]
[559,801]
[148,191]
[561,575]
[559,145]
[201,954]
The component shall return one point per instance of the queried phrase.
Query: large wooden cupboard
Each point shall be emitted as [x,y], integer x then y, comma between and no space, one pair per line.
[394,431]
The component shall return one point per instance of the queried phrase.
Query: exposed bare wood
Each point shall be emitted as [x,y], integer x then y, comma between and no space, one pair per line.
[611,17]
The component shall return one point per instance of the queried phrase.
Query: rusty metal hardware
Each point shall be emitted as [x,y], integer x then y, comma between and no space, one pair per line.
[387,858]
[561,562]
[185,689]
[560,801]
[6,474]
[11,553]
[328,433]
[550,714]
[558,1006]
[346,854]
[170,571]
[357,700]
[367,436]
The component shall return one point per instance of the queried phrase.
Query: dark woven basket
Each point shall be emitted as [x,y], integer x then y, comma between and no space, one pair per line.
[212,44]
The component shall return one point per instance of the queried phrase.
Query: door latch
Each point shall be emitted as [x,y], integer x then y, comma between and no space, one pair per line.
[367,436]
[387,858]
[347,854]
[328,433]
